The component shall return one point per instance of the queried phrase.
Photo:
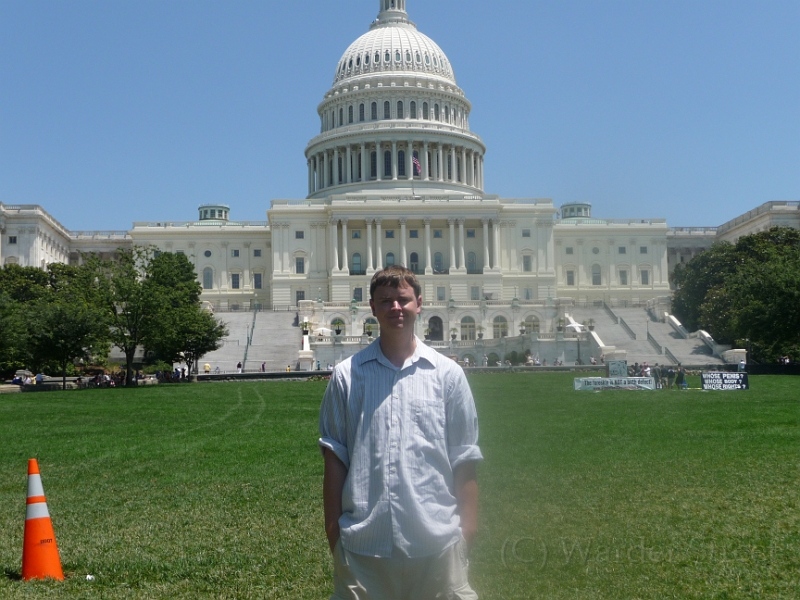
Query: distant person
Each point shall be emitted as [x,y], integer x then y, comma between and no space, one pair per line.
[680,378]
[670,377]
[39,378]
[207,368]
[400,484]
[239,367]
[288,368]
[742,366]
[264,367]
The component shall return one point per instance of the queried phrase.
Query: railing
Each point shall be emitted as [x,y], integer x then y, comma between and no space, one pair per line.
[693,230]
[670,355]
[654,343]
[611,314]
[627,328]
[209,223]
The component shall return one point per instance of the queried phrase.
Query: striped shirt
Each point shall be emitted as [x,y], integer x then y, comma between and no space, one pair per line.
[400,432]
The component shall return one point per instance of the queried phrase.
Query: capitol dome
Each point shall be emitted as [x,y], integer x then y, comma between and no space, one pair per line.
[394,120]
[393,46]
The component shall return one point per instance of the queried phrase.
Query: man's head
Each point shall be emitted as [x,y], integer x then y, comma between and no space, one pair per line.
[395,299]
[394,276]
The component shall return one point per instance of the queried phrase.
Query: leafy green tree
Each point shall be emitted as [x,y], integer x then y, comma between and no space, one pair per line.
[186,334]
[24,284]
[61,329]
[12,345]
[749,291]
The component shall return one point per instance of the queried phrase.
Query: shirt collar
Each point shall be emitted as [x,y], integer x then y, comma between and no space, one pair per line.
[374,352]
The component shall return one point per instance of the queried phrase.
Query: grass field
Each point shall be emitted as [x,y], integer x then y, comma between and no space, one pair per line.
[213,491]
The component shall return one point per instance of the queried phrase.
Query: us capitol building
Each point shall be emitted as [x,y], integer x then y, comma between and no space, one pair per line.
[396,176]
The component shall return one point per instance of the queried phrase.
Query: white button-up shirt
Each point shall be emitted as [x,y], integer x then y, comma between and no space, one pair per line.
[400,433]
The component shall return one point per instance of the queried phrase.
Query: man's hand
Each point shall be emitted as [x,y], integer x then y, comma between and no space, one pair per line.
[332,487]
[466,490]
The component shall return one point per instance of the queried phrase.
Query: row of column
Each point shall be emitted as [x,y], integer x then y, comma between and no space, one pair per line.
[375,261]
[438,162]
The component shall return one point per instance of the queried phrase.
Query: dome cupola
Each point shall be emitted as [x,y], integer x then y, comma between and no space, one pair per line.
[395,118]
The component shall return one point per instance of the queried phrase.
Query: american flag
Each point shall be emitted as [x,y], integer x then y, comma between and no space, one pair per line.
[417,166]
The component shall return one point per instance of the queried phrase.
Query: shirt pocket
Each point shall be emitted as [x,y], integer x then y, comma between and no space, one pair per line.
[430,418]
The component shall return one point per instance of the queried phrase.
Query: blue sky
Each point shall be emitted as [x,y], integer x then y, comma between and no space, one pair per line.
[117,111]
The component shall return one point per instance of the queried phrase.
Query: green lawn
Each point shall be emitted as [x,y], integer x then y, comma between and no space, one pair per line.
[213,491]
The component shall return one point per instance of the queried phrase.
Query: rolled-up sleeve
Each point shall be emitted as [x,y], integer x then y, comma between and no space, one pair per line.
[462,423]
[332,419]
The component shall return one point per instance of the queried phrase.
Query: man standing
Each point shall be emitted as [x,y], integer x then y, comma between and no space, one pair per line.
[399,435]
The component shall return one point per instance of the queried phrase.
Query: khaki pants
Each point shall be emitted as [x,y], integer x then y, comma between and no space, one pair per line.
[442,577]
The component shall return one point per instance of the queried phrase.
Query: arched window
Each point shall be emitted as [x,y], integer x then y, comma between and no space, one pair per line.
[500,327]
[397,56]
[438,263]
[390,259]
[401,163]
[337,324]
[387,57]
[436,112]
[374,111]
[408,56]
[425,114]
[467,328]
[596,277]
[447,114]
[377,57]
[387,110]
[208,278]
[356,269]
[413,110]
[436,329]
[400,110]
[531,324]
[373,161]
[341,117]
[472,263]
[387,163]
[361,112]
[366,59]
[349,114]
[414,262]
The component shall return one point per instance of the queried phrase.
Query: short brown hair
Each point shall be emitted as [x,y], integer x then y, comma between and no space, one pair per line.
[394,276]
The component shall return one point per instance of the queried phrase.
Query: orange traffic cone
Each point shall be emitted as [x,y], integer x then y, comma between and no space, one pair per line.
[40,558]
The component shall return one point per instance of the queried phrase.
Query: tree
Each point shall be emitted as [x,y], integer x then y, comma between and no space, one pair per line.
[128,304]
[749,291]
[62,329]
[186,334]
[12,347]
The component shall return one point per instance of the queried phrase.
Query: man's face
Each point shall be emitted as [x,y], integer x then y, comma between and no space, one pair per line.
[395,308]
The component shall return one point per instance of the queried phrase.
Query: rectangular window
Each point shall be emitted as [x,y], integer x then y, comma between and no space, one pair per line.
[527,263]
[413,233]
[440,294]
[645,277]
[299,235]
[643,250]
[570,277]
[358,294]
[356,234]
[12,239]
[389,234]
[181,252]
[623,277]
[470,233]
[235,281]
[299,296]
[300,265]
[437,233]
[623,250]
[235,253]
[475,293]
[569,249]
[526,233]
[257,252]
[257,281]
[528,293]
